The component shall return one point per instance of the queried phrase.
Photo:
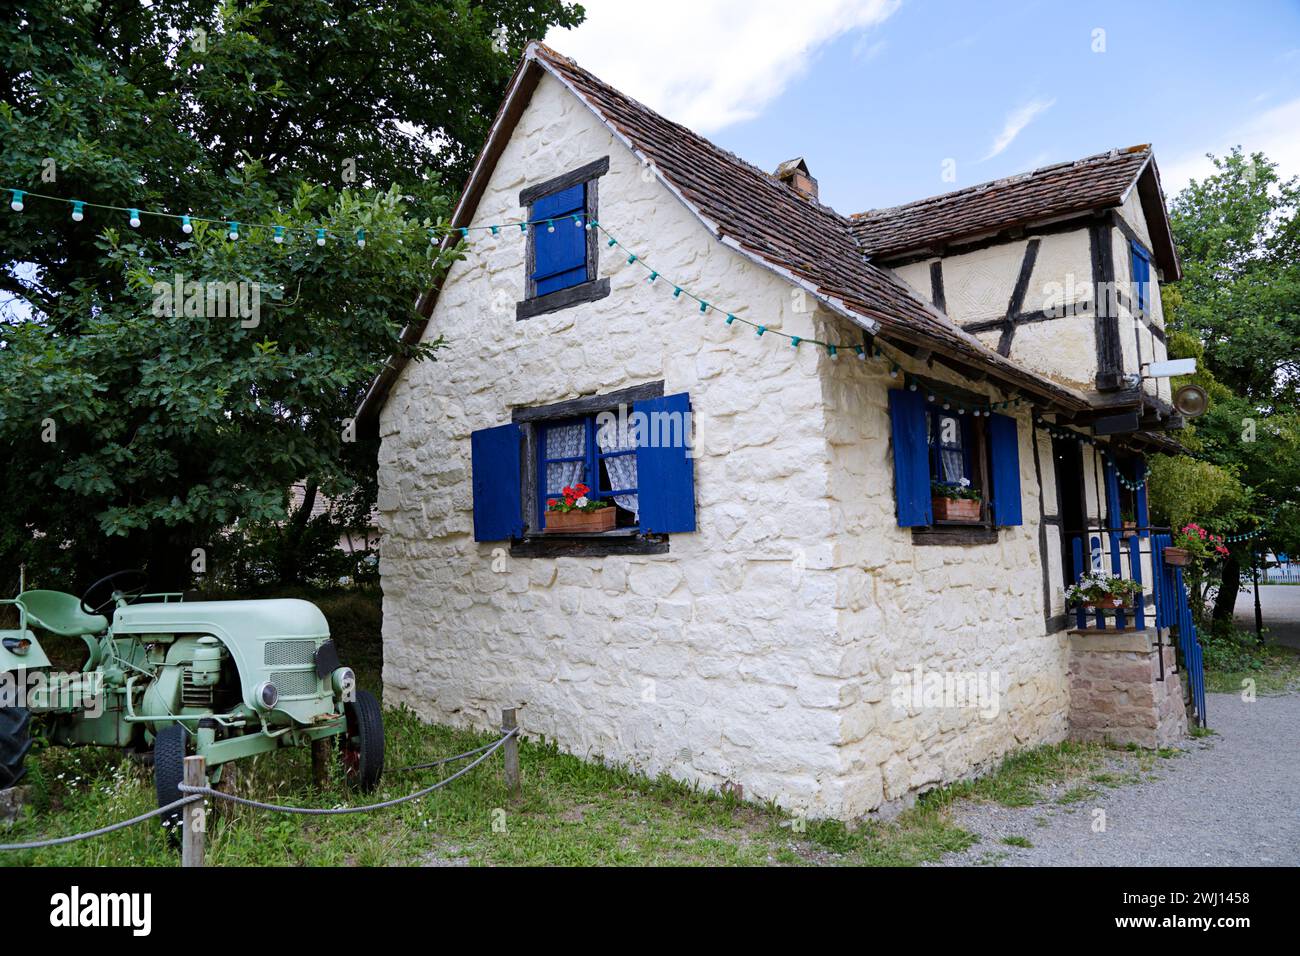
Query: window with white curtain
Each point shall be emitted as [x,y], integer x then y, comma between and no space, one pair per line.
[577,450]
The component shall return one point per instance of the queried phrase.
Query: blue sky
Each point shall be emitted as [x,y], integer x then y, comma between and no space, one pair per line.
[877,94]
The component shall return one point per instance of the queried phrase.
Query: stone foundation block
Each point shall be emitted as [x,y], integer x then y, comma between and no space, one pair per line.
[1120,692]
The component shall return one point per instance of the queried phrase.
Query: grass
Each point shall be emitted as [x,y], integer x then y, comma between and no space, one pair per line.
[573,811]
[1274,669]
[1018,841]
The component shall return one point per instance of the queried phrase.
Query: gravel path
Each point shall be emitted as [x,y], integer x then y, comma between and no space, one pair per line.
[1279,604]
[1232,799]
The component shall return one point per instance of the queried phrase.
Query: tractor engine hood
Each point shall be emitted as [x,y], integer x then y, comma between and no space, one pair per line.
[228,620]
[270,640]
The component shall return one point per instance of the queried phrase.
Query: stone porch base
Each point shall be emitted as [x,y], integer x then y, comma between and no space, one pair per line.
[1116,690]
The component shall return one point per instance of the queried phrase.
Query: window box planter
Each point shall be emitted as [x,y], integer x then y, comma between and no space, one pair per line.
[580,522]
[1177,557]
[1109,604]
[956,509]
[1130,529]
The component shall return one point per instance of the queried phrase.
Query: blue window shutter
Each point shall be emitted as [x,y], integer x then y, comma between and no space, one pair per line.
[1113,516]
[911,458]
[1004,450]
[665,476]
[494,463]
[559,257]
[1141,275]
[1143,513]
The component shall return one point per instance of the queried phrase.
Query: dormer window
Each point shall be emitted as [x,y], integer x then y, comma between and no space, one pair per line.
[562,253]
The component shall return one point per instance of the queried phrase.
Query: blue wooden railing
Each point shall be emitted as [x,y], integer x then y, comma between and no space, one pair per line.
[1125,559]
[1174,611]
[1123,552]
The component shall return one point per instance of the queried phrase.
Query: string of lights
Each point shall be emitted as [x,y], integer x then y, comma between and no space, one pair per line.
[322,234]
[1067,434]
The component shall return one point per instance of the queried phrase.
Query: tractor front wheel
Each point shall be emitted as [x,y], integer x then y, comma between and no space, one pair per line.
[168,772]
[362,744]
[15,741]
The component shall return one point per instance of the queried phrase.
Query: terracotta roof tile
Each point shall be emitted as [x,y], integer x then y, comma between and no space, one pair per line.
[1096,182]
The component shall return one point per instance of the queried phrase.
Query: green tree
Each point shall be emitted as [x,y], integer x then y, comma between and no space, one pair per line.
[132,433]
[1237,311]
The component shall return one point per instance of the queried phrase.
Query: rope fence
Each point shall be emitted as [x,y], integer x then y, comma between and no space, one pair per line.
[198,791]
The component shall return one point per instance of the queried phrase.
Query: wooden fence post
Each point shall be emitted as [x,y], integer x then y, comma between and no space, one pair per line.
[511,751]
[194,817]
[322,749]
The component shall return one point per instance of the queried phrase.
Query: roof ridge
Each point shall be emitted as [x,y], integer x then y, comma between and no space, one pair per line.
[1109,154]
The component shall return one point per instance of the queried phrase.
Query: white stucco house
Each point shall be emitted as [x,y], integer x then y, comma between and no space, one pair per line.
[778,574]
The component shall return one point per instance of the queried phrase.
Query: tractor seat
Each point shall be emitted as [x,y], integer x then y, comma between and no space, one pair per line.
[60,613]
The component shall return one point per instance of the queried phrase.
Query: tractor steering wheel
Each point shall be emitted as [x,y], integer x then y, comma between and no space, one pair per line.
[139,582]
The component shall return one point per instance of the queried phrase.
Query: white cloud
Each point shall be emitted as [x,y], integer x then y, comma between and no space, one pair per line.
[708,65]
[1274,132]
[1016,121]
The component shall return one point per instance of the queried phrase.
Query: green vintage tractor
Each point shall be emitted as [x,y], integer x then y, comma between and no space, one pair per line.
[223,679]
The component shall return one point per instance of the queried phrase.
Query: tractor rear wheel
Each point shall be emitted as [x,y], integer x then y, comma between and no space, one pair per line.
[15,741]
[362,745]
[168,772]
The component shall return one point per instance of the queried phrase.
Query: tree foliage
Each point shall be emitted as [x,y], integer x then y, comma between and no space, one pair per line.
[132,434]
[1237,311]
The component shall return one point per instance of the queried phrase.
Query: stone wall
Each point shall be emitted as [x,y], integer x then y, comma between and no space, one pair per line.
[1117,692]
[708,662]
[946,609]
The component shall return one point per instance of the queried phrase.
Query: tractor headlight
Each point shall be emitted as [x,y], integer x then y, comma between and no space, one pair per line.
[345,682]
[267,695]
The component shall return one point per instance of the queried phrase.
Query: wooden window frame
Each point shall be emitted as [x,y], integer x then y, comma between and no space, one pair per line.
[538,543]
[949,532]
[593,288]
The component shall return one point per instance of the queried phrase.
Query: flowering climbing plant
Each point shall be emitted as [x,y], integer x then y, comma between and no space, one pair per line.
[575,499]
[1199,542]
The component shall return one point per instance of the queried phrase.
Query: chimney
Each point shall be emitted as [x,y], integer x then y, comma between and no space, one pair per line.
[794,173]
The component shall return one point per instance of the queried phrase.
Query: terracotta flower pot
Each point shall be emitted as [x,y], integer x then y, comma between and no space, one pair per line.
[1178,557]
[1111,603]
[580,522]
[956,509]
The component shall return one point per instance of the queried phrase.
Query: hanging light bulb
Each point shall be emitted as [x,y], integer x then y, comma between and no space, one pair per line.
[134,218]
[550,225]
[320,237]
[78,210]
[832,351]
[577,221]
[234,231]
[16,204]
[279,234]
[361,238]
[187,227]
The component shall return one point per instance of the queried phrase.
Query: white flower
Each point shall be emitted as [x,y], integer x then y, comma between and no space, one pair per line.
[964,482]
[581,502]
